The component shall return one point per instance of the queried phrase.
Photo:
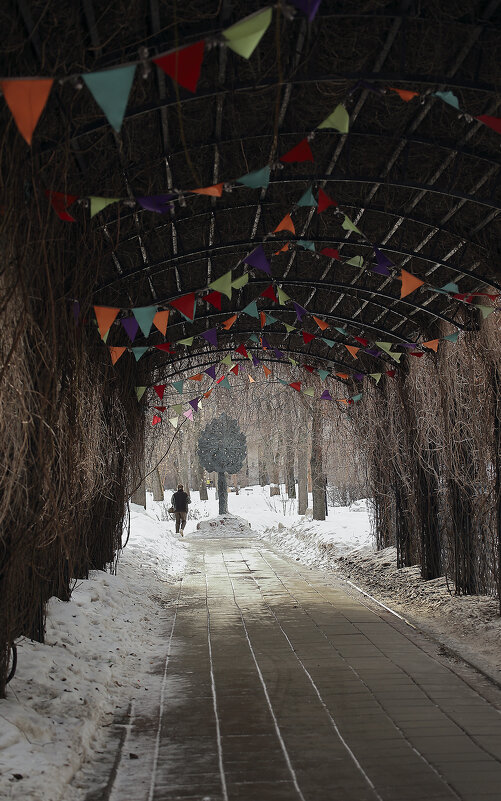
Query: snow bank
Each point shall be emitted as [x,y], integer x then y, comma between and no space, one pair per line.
[98,651]
[222,526]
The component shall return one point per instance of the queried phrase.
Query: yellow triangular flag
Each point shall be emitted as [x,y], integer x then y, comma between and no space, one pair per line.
[244,36]
[97,204]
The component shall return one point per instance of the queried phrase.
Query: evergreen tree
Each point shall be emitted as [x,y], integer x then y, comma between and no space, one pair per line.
[222,448]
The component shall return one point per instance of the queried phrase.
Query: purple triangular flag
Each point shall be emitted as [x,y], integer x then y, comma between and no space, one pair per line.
[210,336]
[278,353]
[326,395]
[158,203]
[265,343]
[410,345]
[373,351]
[300,310]
[258,259]
[131,326]
[211,371]
[194,404]
[308,7]
[255,361]
[358,376]
[383,262]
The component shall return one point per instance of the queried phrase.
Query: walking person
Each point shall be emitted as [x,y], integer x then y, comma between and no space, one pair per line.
[179,502]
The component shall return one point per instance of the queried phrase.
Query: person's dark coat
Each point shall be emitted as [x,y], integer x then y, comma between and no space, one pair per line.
[180,501]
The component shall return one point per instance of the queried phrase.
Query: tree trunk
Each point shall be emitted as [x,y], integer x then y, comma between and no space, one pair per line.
[139,496]
[222,489]
[202,485]
[317,476]
[302,481]
[158,492]
[289,472]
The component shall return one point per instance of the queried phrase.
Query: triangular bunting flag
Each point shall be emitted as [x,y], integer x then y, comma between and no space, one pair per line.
[485,310]
[269,319]
[144,316]
[234,369]
[256,179]
[285,225]
[185,305]
[60,202]
[214,298]
[289,327]
[307,338]
[448,97]
[229,322]
[251,380]
[160,204]
[345,376]
[160,389]
[300,310]
[348,225]
[178,386]
[301,152]
[105,317]
[282,297]
[269,293]
[130,326]
[326,395]
[267,370]
[308,7]
[362,341]
[140,392]
[386,346]
[306,244]
[310,369]
[338,119]
[282,249]
[409,283]
[353,350]
[329,342]
[332,253]
[97,204]
[225,383]
[184,65]
[307,199]
[208,393]
[211,372]
[26,99]
[165,346]
[491,122]
[210,336]
[194,404]
[173,421]
[197,377]
[376,377]
[432,344]
[110,89]
[258,259]
[160,321]
[321,323]
[244,36]
[188,414]
[309,391]
[296,385]
[160,408]
[241,281]
[324,201]
[323,374]
[188,341]
[383,262]
[227,360]
[242,351]
[115,353]
[213,191]
[404,94]
[178,408]
[356,261]
[251,310]
[341,330]
[222,284]
[139,352]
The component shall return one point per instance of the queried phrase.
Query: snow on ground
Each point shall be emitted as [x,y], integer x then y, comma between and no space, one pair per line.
[98,650]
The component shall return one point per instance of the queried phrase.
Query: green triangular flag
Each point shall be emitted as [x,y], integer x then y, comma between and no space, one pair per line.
[282,297]
[376,377]
[289,327]
[349,226]
[395,356]
[485,310]
[307,199]
[341,330]
[238,283]
[138,352]
[338,119]
[105,336]
[188,341]
[244,36]
[144,316]
[292,361]
[173,421]
[329,342]
[306,244]
[309,391]
[178,408]
[227,360]
[97,204]
[452,337]
[256,179]
[269,319]
[251,310]
[110,89]
[140,392]
[178,386]
[356,261]
[225,383]
[386,346]
[222,284]
[323,374]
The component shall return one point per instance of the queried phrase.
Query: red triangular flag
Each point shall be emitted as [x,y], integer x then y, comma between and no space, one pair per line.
[269,293]
[206,394]
[26,99]
[332,253]
[310,369]
[324,201]
[234,369]
[301,152]
[60,203]
[184,65]
[391,373]
[362,341]
[307,337]
[185,305]
[214,298]
[165,346]
[242,350]
[296,385]
[160,408]
[160,389]
[491,122]
[416,353]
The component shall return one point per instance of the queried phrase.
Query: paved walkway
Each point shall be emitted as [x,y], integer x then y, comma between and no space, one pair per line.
[277,685]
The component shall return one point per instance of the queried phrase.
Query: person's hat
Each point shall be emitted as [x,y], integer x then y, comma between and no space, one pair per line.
[180,486]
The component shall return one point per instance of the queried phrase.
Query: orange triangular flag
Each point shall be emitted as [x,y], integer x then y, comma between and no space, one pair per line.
[251,380]
[262,315]
[321,323]
[285,225]
[404,94]
[343,375]
[214,191]
[229,322]
[26,99]
[432,344]
[197,377]
[105,316]
[282,250]
[115,353]
[409,283]
[160,321]
[267,370]
[206,394]
[353,350]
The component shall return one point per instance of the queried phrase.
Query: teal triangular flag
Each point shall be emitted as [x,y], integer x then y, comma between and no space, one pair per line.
[448,97]
[110,89]
[328,342]
[251,310]
[306,244]
[225,383]
[452,337]
[270,319]
[138,352]
[338,119]
[356,398]
[450,287]
[342,331]
[178,386]
[307,199]
[144,316]
[256,179]
[323,374]
[254,338]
